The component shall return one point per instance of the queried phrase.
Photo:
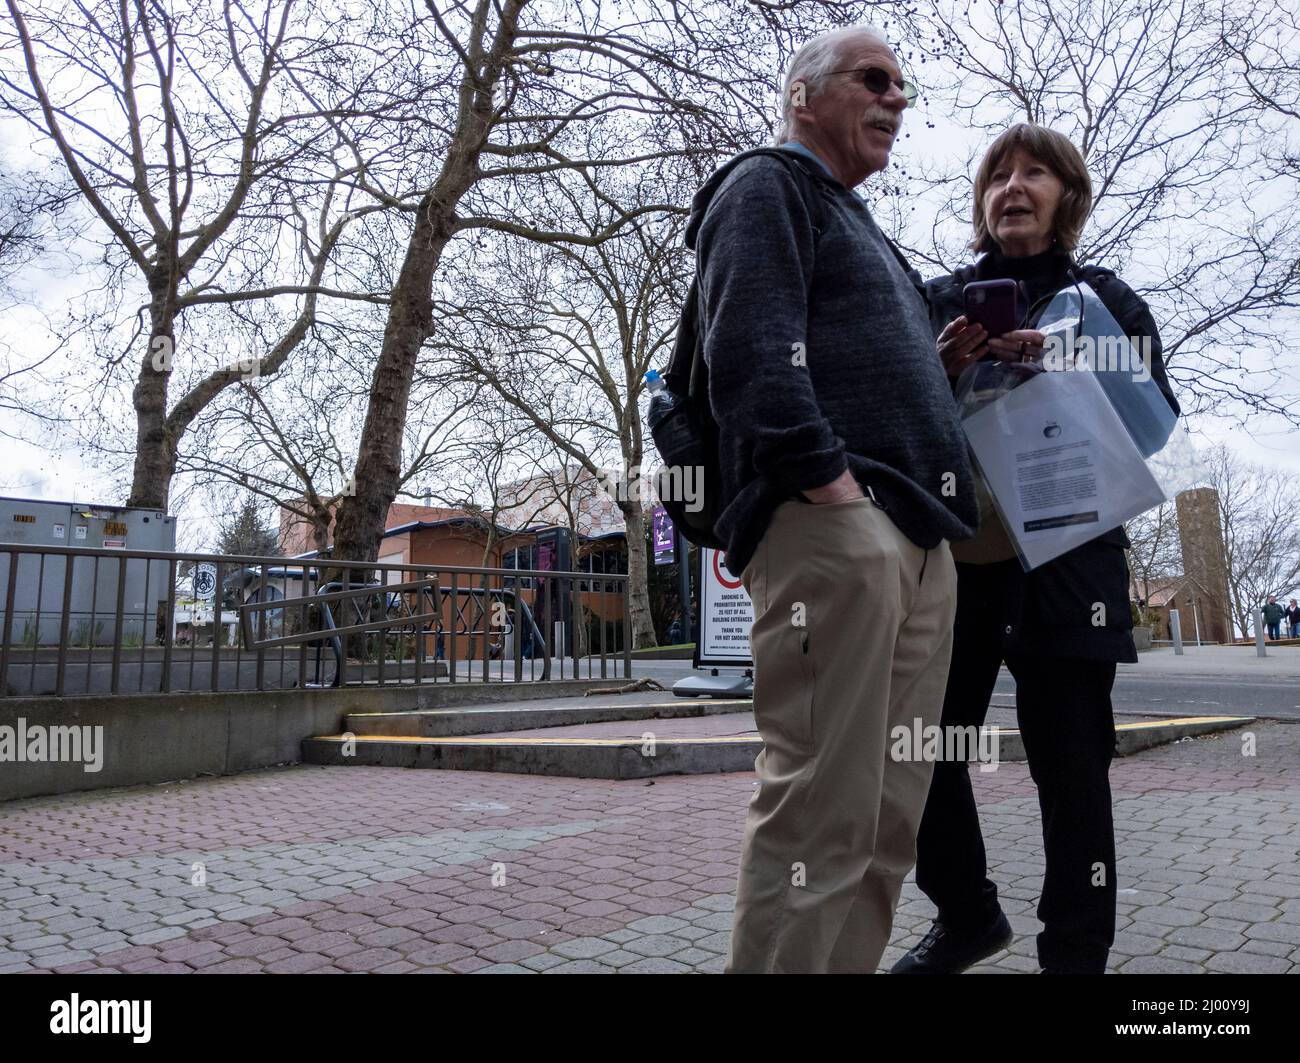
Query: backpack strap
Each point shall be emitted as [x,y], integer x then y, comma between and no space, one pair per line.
[801,170]
[918,282]
[691,377]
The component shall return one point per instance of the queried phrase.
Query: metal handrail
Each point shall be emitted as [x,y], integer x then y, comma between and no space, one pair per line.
[522,606]
[326,594]
[246,609]
[314,562]
[68,624]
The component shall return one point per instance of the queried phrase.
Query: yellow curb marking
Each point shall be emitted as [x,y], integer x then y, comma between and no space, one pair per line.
[1184,720]
[540,741]
[1156,724]
[721,740]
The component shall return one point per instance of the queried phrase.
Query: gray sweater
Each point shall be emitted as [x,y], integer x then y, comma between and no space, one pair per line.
[820,359]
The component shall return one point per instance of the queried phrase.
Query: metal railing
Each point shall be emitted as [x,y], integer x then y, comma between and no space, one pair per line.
[112,621]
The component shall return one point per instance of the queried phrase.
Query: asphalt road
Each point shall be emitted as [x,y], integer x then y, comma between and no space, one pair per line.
[1164,695]
[1276,698]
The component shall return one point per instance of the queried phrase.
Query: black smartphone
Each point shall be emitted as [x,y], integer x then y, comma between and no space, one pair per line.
[991,304]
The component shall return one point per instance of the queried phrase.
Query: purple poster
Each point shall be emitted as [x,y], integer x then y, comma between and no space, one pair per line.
[664,536]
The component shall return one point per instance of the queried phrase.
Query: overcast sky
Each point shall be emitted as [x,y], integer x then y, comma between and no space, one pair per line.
[51,468]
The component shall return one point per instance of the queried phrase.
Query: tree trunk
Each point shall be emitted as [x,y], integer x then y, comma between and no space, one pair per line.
[363,512]
[581,615]
[320,531]
[638,586]
[155,446]
[581,626]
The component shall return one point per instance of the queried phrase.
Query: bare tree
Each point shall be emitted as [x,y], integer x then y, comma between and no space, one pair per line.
[1265,42]
[1154,553]
[30,204]
[1257,510]
[490,448]
[197,140]
[568,347]
[1187,208]
[544,95]
[290,458]
[290,439]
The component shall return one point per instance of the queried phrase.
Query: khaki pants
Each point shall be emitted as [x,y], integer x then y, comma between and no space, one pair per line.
[851,638]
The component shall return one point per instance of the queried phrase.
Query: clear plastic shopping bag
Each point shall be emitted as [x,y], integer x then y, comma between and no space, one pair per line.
[1058,460]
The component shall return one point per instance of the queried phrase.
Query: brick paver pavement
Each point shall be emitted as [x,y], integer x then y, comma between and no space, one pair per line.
[384,869]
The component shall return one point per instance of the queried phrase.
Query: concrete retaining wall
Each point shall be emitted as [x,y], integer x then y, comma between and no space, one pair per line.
[154,738]
[189,672]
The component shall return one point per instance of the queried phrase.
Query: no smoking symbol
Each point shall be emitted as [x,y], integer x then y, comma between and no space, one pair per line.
[205,582]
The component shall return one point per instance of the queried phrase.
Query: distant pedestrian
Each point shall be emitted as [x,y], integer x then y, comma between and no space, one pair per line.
[1293,619]
[1273,614]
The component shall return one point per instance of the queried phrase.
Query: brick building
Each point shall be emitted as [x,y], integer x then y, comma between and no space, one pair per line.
[440,536]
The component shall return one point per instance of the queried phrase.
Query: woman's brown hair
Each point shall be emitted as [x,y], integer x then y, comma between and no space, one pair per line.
[1057,153]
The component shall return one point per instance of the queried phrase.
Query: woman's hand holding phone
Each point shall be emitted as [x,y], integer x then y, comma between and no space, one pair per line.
[1019,345]
[961,344]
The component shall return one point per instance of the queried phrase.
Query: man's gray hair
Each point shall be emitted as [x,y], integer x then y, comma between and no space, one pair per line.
[812,65]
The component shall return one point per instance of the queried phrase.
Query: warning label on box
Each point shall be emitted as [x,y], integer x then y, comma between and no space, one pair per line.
[726,614]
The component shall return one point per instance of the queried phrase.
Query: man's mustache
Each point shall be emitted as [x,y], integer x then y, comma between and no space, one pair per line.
[873,115]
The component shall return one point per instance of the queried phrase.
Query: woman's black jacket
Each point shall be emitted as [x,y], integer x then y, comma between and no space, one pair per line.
[1050,611]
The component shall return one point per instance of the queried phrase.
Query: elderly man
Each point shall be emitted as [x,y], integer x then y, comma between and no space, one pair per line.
[844,472]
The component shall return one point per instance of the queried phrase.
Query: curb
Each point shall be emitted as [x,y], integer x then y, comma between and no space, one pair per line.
[621,758]
[450,723]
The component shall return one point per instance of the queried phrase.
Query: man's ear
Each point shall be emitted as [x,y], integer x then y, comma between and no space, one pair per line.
[799,94]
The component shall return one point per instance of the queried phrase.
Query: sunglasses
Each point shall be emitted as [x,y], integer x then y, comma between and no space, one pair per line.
[878,81]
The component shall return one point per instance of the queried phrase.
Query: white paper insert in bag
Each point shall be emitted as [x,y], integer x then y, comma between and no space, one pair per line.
[1059,463]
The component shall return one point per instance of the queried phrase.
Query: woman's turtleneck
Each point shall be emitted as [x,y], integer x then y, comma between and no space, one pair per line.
[1051,262]
[1048,271]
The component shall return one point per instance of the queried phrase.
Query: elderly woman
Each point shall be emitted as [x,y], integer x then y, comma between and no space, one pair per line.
[1032,197]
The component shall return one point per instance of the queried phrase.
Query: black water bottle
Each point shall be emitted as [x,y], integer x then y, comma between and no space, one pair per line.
[675,433]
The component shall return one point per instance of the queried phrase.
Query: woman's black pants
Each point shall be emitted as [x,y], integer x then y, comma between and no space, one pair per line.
[1068,728]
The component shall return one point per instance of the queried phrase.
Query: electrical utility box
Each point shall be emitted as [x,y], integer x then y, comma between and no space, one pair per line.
[109,597]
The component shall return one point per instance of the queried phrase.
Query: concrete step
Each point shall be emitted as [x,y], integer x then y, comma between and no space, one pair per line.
[620,749]
[574,757]
[451,722]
